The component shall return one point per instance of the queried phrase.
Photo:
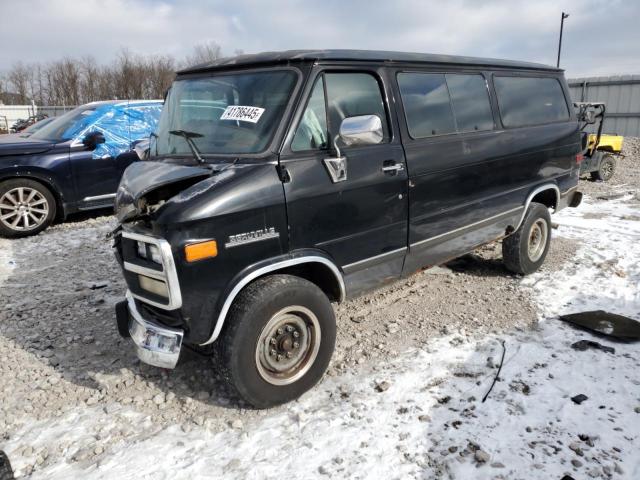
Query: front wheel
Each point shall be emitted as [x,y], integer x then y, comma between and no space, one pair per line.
[278,340]
[26,207]
[524,251]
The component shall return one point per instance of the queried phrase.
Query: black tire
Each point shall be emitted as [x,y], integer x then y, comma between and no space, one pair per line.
[516,253]
[606,169]
[43,201]
[240,349]
[6,473]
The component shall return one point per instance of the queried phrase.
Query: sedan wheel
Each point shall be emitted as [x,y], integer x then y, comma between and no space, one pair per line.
[23,209]
[26,208]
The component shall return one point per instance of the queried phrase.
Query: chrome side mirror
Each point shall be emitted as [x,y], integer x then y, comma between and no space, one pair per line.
[590,117]
[141,147]
[361,130]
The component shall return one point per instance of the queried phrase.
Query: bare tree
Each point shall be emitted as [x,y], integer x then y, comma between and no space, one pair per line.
[72,81]
[204,53]
[19,77]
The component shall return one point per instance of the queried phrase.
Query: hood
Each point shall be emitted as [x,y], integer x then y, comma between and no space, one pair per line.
[145,186]
[19,145]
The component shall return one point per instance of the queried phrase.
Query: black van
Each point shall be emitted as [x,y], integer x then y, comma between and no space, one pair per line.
[278,183]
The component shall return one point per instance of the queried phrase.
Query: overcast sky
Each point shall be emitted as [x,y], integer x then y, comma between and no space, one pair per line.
[601,37]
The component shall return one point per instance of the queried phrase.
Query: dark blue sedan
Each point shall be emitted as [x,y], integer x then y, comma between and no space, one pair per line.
[73,163]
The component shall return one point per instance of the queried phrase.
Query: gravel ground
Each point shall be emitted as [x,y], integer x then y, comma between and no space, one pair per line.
[59,348]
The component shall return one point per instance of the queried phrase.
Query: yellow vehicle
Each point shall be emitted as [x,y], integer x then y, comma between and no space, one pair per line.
[598,149]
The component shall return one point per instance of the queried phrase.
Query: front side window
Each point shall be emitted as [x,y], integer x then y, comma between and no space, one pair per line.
[312,130]
[234,113]
[347,95]
[352,95]
[530,100]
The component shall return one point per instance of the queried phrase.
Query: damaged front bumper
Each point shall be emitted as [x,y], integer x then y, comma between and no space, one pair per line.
[155,344]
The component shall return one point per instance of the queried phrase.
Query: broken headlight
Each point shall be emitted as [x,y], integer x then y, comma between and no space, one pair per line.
[149,252]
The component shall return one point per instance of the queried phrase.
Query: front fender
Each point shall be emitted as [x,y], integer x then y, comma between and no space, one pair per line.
[55,184]
[272,265]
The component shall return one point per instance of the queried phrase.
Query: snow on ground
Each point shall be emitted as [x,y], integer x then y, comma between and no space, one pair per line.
[7,264]
[421,414]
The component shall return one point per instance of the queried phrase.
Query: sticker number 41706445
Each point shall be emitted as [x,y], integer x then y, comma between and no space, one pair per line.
[241,113]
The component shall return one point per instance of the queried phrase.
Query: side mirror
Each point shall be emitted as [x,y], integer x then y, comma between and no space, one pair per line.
[92,139]
[590,117]
[361,130]
[142,147]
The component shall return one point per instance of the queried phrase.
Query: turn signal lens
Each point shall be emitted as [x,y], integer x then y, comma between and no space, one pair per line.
[579,158]
[201,250]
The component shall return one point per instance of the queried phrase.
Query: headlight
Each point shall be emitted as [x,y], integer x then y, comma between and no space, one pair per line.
[154,286]
[142,250]
[154,252]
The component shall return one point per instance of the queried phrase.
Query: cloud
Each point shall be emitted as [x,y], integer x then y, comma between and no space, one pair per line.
[601,36]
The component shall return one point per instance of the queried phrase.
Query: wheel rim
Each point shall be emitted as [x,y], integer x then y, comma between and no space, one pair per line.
[607,170]
[288,345]
[23,208]
[537,239]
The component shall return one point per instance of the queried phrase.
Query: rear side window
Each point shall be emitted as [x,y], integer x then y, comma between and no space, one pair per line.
[470,101]
[530,101]
[438,104]
[426,104]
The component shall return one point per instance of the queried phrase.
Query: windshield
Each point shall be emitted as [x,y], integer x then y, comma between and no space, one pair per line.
[68,125]
[38,125]
[222,114]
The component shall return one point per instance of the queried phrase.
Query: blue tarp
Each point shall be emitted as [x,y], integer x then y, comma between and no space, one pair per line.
[121,124]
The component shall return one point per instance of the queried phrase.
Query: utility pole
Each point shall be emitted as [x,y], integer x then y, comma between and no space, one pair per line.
[564,15]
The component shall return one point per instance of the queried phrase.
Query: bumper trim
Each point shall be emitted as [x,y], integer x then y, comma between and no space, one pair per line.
[155,344]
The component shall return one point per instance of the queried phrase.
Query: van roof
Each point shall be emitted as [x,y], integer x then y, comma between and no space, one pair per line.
[294,56]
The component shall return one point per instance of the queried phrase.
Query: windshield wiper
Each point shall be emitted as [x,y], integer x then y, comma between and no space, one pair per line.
[189,136]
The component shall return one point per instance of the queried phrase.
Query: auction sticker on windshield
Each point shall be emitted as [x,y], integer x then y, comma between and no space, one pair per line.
[242,113]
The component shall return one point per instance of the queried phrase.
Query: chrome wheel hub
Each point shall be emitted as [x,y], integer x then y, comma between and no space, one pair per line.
[23,208]
[537,239]
[288,345]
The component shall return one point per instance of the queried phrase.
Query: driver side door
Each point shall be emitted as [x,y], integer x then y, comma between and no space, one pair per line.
[97,172]
[360,221]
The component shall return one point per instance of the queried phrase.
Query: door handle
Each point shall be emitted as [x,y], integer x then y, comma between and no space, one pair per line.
[394,169]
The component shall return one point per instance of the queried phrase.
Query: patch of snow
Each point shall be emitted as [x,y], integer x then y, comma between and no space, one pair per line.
[430,421]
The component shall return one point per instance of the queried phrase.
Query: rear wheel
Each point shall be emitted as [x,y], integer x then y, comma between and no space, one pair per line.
[278,340]
[605,170]
[26,207]
[524,251]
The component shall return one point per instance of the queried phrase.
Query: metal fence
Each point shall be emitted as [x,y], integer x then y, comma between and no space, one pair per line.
[621,94]
[10,114]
